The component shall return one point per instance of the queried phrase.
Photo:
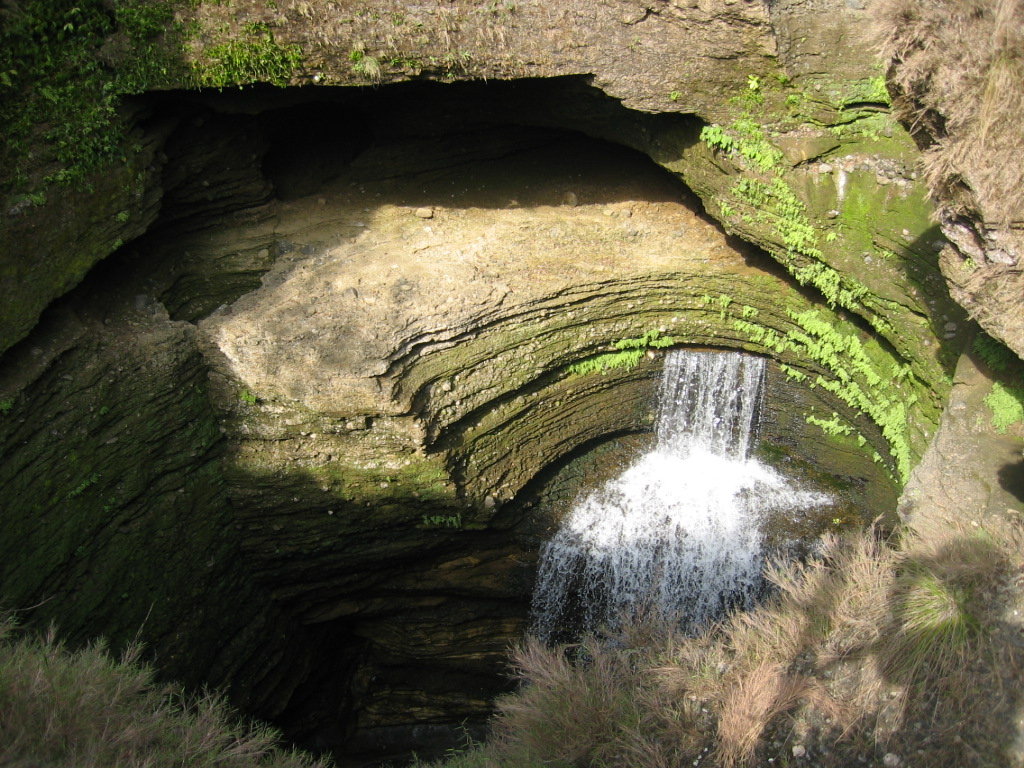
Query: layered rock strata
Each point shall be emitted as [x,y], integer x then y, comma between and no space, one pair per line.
[310,422]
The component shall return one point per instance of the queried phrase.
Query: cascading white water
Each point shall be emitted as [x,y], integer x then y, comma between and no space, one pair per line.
[679,531]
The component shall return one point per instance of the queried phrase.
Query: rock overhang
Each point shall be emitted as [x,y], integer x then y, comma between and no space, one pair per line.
[441,291]
[342,487]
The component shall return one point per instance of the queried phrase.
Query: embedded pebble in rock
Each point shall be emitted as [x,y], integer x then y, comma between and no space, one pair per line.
[425,213]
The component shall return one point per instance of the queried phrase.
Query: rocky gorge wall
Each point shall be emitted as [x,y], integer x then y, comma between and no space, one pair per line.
[308,421]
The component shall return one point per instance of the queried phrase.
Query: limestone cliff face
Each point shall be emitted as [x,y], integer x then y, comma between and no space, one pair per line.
[310,421]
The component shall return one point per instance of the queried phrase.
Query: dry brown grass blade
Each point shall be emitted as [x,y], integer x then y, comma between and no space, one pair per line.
[82,709]
[756,700]
[960,64]
[568,711]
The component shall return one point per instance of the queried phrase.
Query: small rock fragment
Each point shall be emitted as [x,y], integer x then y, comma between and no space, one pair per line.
[425,213]
[355,423]
[799,750]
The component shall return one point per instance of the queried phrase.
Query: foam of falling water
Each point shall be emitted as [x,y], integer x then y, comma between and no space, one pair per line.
[679,530]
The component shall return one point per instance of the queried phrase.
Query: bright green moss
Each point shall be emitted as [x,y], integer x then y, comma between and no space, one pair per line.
[834,426]
[865,378]
[1007,405]
[629,354]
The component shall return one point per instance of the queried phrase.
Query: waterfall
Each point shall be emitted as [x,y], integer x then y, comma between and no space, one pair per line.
[679,531]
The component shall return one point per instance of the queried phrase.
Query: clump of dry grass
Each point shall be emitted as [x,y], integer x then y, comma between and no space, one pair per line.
[573,711]
[875,646]
[82,709]
[767,692]
[958,66]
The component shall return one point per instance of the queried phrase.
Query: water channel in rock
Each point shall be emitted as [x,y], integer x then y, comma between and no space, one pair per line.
[680,531]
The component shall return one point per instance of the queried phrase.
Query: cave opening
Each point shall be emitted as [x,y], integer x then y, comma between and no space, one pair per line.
[374,297]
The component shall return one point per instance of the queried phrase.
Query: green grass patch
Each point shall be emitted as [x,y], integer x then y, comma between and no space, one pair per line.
[933,618]
[996,355]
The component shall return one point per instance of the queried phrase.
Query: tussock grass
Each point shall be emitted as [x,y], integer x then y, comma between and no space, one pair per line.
[83,709]
[570,706]
[900,645]
[767,692]
[960,66]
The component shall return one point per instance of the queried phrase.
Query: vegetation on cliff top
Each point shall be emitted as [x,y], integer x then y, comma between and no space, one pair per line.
[66,67]
[960,69]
